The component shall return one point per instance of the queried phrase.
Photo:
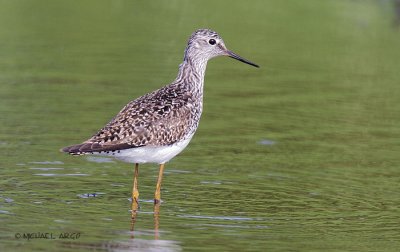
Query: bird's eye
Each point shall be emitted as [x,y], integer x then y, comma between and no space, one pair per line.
[212,41]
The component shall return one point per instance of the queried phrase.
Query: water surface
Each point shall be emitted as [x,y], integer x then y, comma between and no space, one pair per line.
[299,155]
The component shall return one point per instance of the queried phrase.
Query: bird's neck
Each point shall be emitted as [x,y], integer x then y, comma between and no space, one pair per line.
[191,74]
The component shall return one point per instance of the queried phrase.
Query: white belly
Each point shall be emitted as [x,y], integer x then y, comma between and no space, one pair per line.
[149,154]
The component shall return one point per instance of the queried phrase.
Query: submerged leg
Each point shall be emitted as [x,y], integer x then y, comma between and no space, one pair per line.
[157,194]
[135,191]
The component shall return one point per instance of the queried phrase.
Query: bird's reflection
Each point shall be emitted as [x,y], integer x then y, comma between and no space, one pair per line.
[134,243]
[133,221]
[156,220]
[134,217]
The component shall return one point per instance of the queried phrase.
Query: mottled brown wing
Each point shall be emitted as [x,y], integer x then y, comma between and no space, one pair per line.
[156,123]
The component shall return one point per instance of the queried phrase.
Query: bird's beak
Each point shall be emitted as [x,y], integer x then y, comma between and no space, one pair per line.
[237,57]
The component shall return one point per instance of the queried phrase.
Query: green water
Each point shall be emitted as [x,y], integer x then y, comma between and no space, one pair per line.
[302,154]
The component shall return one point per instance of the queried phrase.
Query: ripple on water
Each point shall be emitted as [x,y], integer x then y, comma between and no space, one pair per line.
[232,218]
[8,200]
[47,162]
[145,200]
[90,195]
[229,226]
[45,168]
[60,175]
[225,222]
[174,171]
[211,182]
[5,212]
[62,221]
[117,185]
[266,142]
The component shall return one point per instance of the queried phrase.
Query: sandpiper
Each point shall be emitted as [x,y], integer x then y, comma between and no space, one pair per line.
[157,126]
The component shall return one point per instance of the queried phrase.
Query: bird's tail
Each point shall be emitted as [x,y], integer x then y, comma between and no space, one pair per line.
[76,149]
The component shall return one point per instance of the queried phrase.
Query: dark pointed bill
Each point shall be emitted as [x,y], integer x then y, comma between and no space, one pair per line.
[237,57]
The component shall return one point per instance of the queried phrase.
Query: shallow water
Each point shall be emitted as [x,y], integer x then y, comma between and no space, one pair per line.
[299,155]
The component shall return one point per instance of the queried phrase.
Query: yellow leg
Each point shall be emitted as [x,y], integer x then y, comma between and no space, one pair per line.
[157,194]
[135,191]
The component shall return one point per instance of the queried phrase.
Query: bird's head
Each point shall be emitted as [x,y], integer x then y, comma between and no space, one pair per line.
[205,44]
